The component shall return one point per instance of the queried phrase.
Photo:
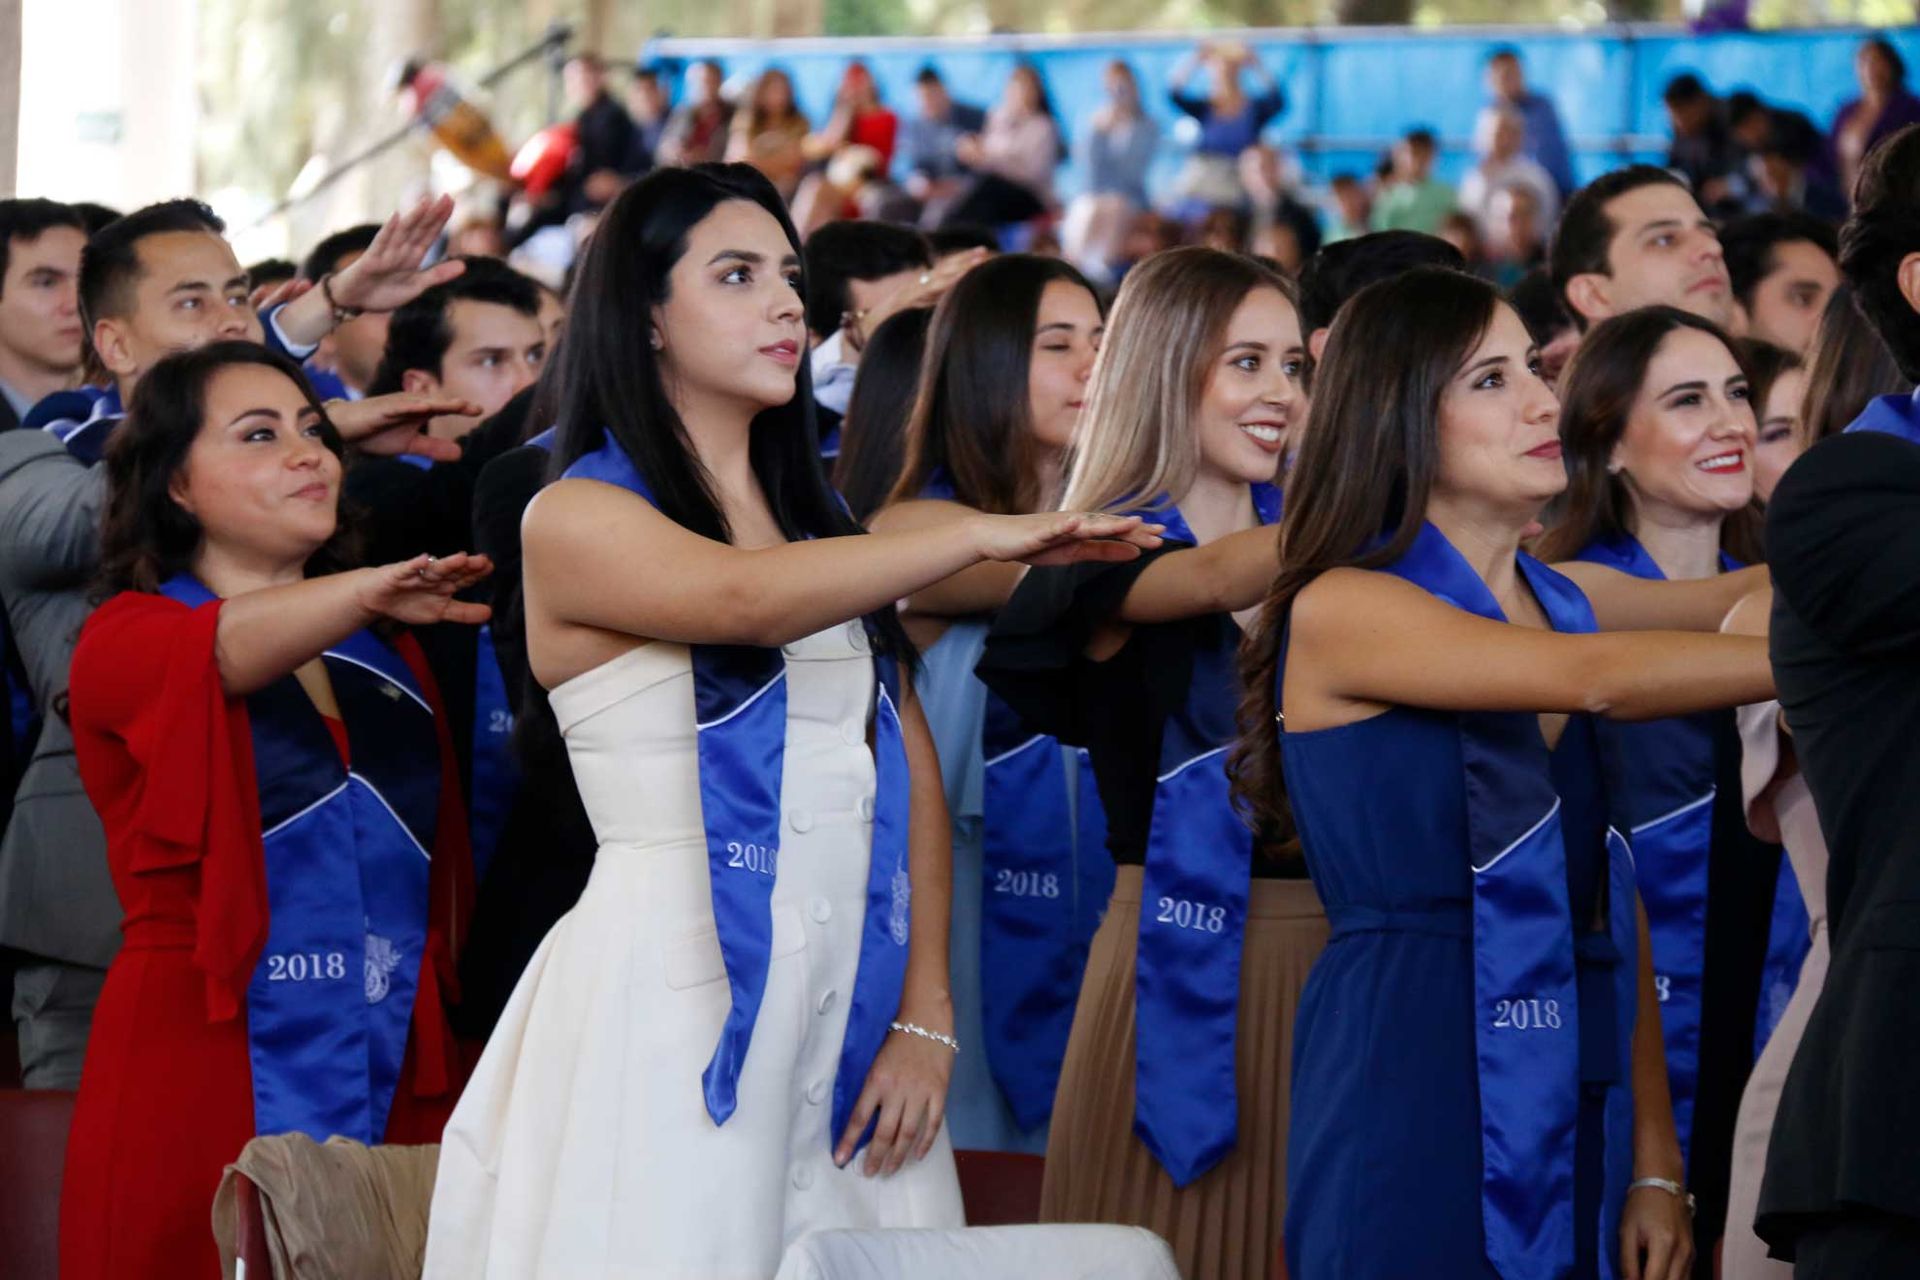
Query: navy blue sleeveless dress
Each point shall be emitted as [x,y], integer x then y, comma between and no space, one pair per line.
[1384,1159]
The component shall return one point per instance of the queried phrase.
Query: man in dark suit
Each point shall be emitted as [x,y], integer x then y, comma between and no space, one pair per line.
[40,331]
[1842,1190]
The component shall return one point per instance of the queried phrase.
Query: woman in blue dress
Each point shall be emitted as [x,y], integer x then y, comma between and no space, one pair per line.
[1659,430]
[1478,1085]
[1004,379]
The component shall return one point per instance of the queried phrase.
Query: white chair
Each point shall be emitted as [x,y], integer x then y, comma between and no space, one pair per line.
[1065,1252]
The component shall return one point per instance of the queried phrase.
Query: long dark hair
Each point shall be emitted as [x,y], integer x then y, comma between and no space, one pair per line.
[146,537]
[1357,493]
[873,434]
[1597,396]
[973,417]
[610,376]
[1851,365]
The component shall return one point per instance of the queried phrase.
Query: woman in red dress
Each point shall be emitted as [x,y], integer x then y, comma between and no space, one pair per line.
[283,822]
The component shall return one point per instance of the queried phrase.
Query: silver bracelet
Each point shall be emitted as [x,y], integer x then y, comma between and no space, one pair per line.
[913,1029]
[1673,1189]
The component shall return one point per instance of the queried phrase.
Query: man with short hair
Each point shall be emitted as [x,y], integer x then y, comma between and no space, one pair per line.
[851,268]
[351,352]
[1345,267]
[1782,270]
[1842,1191]
[1636,237]
[41,337]
[930,141]
[1702,148]
[1546,141]
[160,280]
[1413,200]
[478,338]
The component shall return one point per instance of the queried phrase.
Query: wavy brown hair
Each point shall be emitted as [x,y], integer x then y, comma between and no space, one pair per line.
[146,537]
[1597,396]
[1357,494]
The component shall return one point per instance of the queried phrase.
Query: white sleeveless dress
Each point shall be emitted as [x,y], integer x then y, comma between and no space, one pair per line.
[582,1145]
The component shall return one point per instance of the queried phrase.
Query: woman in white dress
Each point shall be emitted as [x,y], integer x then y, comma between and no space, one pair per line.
[756,975]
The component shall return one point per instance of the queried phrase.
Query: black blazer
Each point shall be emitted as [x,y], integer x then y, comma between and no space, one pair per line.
[1843,540]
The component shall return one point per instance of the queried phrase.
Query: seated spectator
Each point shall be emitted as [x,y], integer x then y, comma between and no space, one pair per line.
[1756,125]
[160,280]
[603,139]
[696,132]
[1636,237]
[269,771]
[857,142]
[1229,119]
[41,337]
[1121,140]
[1517,238]
[770,132]
[1545,140]
[1463,233]
[1271,199]
[1783,267]
[930,138]
[1702,150]
[1784,180]
[1352,212]
[1013,158]
[1223,229]
[1503,164]
[347,357]
[1884,107]
[649,106]
[1413,199]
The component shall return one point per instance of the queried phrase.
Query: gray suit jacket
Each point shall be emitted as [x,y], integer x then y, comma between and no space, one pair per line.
[56,898]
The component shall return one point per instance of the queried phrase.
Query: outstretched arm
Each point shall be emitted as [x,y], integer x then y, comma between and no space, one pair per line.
[597,556]
[1223,576]
[1622,602]
[266,634]
[1370,640]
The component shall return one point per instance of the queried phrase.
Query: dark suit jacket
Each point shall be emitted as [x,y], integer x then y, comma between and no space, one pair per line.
[1843,540]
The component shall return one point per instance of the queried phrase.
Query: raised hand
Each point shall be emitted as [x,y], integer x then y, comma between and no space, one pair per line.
[266,297]
[394,424]
[389,274]
[420,591]
[1065,537]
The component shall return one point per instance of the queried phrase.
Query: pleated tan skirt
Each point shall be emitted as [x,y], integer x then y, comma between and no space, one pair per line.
[1226,1224]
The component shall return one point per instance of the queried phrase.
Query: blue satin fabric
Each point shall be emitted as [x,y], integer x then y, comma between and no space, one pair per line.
[1894,415]
[347,863]
[1033,921]
[1198,873]
[740,714]
[1668,771]
[496,777]
[1527,990]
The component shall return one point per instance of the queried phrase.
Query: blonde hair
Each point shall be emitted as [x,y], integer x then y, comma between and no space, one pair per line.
[1137,446]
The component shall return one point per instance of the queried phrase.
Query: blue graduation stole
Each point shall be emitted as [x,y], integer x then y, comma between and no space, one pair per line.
[1046,880]
[1894,415]
[1667,769]
[740,716]
[496,778]
[1193,912]
[1527,1035]
[347,863]
[82,419]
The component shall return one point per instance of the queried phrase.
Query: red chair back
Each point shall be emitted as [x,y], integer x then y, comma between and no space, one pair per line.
[33,1158]
[250,1231]
[999,1188]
